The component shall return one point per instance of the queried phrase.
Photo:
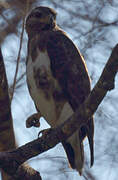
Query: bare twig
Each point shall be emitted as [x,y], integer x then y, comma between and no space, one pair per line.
[19,52]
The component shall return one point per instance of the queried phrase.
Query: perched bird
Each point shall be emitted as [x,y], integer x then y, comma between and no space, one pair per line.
[57,79]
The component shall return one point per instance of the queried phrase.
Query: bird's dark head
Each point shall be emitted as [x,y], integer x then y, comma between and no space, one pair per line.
[41,18]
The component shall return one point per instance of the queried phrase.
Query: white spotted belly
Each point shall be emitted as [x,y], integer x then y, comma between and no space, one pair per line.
[41,90]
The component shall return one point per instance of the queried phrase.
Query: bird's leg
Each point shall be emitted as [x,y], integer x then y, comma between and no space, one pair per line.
[33,120]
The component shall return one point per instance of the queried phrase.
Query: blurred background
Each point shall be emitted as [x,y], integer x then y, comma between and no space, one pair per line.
[93,26]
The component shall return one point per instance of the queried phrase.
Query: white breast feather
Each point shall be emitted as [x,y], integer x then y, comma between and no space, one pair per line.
[46,107]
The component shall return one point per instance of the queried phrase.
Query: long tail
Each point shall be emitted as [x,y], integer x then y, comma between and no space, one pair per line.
[88,130]
[75,152]
[74,146]
[90,135]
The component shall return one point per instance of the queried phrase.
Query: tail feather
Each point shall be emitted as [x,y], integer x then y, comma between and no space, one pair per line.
[74,146]
[90,134]
[75,152]
[70,153]
[88,130]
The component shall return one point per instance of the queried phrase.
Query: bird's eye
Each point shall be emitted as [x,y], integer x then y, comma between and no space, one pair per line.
[38,14]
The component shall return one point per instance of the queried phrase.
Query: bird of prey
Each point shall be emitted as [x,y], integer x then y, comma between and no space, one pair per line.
[57,79]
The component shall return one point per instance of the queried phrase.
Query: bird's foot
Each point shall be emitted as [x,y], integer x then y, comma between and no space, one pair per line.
[44,132]
[33,120]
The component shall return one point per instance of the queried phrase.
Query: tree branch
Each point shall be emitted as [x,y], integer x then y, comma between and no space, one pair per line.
[7,139]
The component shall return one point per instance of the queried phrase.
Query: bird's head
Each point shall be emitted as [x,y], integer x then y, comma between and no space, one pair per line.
[41,18]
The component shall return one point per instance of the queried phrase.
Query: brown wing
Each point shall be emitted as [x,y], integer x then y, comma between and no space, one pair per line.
[68,67]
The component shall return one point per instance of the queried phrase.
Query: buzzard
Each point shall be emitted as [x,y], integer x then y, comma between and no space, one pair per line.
[57,79]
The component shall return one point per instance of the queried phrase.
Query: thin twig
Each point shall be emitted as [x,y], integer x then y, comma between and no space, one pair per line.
[19,52]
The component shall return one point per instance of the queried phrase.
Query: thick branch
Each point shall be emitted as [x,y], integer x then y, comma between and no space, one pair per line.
[7,139]
[62,132]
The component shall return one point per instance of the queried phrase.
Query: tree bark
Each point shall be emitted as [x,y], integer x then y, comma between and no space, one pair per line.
[7,138]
